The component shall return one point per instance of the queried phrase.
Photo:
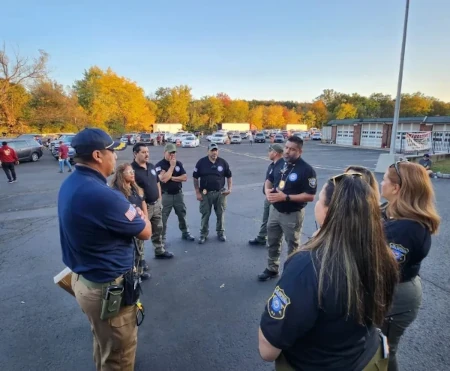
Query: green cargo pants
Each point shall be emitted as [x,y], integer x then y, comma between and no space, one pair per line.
[291,225]
[262,235]
[177,203]
[218,200]
[155,217]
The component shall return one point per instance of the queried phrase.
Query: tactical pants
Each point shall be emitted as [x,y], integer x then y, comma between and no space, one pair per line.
[177,203]
[291,225]
[407,301]
[115,339]
[218,200]
[262,235]
[139,256]
[155,217]
[377,363]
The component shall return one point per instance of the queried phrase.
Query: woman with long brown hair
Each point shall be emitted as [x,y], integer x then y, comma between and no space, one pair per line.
[336,289]
[124,181]
[410,220]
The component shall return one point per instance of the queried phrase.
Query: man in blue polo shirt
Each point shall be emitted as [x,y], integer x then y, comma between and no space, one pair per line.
[97,225]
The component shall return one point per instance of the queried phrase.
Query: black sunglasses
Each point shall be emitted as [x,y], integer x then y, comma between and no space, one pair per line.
[396,166]
[172,153]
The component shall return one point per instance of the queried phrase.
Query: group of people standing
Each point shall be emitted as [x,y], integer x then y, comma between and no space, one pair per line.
[348,294]
[345,297]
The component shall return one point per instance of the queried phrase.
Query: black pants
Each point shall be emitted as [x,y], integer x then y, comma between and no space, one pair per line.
[8,168]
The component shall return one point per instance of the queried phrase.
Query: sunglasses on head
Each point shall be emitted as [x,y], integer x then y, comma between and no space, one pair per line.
[337,178]
[396,166]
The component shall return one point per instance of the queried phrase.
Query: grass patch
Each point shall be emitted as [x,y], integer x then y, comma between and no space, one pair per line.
[442,166]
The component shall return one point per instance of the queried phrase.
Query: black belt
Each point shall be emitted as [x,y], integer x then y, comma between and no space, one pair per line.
[153,203]
[172,193]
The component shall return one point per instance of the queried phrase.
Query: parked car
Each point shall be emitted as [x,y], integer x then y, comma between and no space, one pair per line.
[67,140]
[260,138]
[219,138]
[146,138]
[130,138]
[208,137]
[190,141]
[26,149]
[279,138]
[316,136]
[285,133]
[244,135]
[236,139]
[298,134]
[180,137]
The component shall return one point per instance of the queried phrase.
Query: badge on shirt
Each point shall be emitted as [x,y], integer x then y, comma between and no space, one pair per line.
[220,168]
[277,304]
[153,172]
[312,182]
[131,213]
[399,251]
[293,177]
[177,168]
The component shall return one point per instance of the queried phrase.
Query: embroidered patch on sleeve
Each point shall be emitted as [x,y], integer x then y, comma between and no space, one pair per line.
[277,304]
[399,251]
[312,182]
[131,213]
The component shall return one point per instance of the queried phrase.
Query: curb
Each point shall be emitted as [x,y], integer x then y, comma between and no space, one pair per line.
[443,176]
[354,147]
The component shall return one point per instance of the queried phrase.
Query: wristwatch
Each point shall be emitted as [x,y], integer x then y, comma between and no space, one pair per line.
[288,198]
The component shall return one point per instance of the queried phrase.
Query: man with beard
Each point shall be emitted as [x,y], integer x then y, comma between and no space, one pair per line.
[148,180]
[288,189]
[210,190]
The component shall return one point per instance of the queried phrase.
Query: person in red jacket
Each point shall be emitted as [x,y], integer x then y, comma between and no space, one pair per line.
[8,158]
[63,157]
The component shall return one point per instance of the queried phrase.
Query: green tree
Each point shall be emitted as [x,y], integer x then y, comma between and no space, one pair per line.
[310,119]
[173,104]
[346,111]
[416,104]
[214,111]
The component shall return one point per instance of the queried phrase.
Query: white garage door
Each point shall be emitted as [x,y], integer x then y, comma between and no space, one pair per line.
[371,135]
[344,135]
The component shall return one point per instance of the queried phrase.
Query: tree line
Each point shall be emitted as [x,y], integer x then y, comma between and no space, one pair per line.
[31,102]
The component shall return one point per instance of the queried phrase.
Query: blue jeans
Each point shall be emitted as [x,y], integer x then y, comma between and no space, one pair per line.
[61,165]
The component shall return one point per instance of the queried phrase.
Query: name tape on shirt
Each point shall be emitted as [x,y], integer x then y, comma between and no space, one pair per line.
[158,168]
[312,182]
[131,213]
[277,304]
[399,251]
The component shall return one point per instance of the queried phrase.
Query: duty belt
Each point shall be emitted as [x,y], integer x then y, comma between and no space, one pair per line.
[98,285]
[172,193]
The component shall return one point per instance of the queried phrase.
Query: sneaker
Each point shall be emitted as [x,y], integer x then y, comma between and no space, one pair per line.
[202,240]
[222,238]
[10,181]
[188,237]
[257,241]
[164,255]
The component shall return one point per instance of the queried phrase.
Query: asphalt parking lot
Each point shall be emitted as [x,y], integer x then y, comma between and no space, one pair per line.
[202,307]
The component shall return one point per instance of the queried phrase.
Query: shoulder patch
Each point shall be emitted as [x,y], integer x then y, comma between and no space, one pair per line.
[153,171]
[277,304]
[399,251]
[293,177]
[312,182]
[131,213]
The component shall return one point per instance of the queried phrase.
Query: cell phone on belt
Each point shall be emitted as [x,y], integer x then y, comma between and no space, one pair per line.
[114,289]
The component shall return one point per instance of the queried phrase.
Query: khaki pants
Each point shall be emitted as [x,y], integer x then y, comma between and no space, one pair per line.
[377,363]
[177,203]
[291,225]
[219,201]
[155,217]
[115,339]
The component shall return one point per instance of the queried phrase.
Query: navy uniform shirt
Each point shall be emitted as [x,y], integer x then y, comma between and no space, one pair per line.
[212,175]
[96,226]
[410,242]
[170,187]
[270,170]
[299,178]
[148,180]
[313,338]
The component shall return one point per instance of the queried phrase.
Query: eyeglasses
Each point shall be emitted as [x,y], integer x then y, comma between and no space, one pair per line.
[396,166]
[337,178]
[129,172]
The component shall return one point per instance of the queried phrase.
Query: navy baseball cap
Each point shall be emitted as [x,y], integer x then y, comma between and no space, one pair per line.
[92,139]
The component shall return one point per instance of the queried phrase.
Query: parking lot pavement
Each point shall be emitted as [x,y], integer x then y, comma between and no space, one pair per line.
[202,307]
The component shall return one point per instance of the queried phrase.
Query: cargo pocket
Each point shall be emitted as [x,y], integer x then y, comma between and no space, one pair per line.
[124,329]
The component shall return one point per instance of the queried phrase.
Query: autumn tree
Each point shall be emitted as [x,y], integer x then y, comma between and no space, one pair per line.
[236,111]
[310,119]
[214,110]
[224,98]
[14,72]
[346,111]
[416,104]
[256,117]
[291,116]
[173,104]
[273,117]
[320,111]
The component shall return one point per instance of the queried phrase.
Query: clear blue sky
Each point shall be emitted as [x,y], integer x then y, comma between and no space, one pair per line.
[287,50]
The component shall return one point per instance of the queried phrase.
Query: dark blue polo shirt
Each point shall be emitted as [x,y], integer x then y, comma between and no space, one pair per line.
[96,226]
[314,337]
